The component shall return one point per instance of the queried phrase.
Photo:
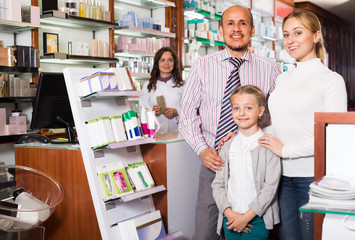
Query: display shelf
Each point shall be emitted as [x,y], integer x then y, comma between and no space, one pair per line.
[331,210]
[124,144]
[199,13]
[261,38]
[5,69]
[12,26]
[139,194]
[142,32]
[16,99]
[140,75]
[208,42]
[76,59]
[10,138]
[134,53]
[109,94]
[66,20]
[148,3]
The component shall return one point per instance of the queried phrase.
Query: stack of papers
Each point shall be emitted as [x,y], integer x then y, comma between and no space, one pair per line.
[333,192]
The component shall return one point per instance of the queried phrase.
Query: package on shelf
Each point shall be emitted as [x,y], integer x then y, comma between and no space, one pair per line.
[265,52]
[11,10]
[114,180]
[80,48]
[106,129]
[123,78]
[202,25]
[145,23]
[19,87]
[118,128]
[99,132]
[26,56]
[129,19]
[140,176]
[192,53]
[96,48]
[132,125]
[2,116]
[96,82]
[18,120]
[31,14]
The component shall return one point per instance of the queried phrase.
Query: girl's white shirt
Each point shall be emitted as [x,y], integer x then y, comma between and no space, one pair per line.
[172,97]
[241,185]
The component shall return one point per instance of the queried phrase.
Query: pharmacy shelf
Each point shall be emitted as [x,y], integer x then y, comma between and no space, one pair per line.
[124,144]
[142,32]
[110,94]
[148,3]
[16,99]
[65,20]
[5,69]
[200,13]
[140,75]
[207,42]
[261,38]
[76,59]
[12,26]
[134,53]
[139,194]
[325,209]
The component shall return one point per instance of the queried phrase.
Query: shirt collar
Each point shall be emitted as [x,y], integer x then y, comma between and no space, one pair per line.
[251,138]
[226,55]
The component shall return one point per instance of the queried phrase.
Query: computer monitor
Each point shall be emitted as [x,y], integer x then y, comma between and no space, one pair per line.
[52,107]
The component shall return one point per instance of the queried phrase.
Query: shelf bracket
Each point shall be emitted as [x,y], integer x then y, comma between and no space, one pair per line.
[15,39]
[86,103]
[99,154]
[120,101]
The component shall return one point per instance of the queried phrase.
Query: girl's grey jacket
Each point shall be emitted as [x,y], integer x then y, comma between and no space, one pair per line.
[266,173]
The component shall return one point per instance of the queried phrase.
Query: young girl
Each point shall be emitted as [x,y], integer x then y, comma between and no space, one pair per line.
[245,189]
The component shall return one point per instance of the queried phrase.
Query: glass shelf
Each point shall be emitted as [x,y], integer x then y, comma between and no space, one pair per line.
[260,38]
[110,94]
[76,59]
[142,32]
[61,19]
[140,75]
[332,210]
[5,69]
[148,3]
[139,194]
[199,13]
[16,99]
[128,143]
[207,42]
[12,26]
[134,53]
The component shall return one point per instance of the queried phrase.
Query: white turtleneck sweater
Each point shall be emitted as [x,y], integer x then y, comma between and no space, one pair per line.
[298,94]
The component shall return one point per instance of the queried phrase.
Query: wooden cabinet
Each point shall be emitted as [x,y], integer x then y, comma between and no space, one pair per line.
[74,217]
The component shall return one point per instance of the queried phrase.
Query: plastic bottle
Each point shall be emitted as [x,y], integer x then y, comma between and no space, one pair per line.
[86,9]
[81,9]
[92,9]
[70,47]
[98,14]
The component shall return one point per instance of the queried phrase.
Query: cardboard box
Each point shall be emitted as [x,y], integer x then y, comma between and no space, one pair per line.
[31,14]
[2,116]
[18,120]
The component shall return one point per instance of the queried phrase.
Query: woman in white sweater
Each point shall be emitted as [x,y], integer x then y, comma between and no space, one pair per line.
[165,80]
[298,94]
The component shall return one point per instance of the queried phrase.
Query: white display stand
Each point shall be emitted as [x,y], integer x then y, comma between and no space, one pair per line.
[112,212]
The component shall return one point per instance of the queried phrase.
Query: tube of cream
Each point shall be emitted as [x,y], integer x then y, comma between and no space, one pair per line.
[144,121]
[152,120]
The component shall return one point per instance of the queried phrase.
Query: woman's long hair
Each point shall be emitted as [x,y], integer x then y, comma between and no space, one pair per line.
[177,79]
[311,22]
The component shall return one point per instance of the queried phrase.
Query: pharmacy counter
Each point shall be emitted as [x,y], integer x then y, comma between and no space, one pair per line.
[74,217]
[174,164]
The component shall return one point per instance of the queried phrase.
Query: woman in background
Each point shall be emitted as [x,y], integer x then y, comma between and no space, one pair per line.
[165,80]
[298,94]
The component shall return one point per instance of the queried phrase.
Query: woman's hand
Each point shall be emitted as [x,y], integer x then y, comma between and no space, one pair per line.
[273,143]
[170,113]
[156,109]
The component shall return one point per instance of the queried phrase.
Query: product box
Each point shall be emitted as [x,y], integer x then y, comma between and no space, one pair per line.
[9,61]
[31,14]
[6,51]
[84,85]
[2,116]
[2,130]
[13,11]
[150,226]
[18,120]
[100,81]
[10,129]
[21,129]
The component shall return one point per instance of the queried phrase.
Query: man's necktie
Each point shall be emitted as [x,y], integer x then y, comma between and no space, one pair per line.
[226,123]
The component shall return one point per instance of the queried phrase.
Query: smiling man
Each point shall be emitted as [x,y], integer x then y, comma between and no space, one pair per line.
[204,119]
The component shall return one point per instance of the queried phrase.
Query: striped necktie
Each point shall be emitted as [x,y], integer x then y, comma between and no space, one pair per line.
[226,123]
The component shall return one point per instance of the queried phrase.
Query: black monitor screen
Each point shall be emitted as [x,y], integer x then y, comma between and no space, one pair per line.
[52,101]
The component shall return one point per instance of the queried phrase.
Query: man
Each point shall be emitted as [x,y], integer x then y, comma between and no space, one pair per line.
[201,105]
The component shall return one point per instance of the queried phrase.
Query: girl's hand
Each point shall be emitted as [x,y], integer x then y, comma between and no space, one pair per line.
[273,143]
[156,109]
